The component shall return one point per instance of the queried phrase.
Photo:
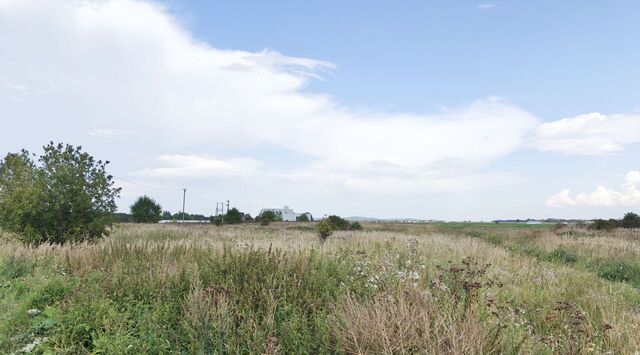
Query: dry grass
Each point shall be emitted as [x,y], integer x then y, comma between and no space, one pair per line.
[279,290]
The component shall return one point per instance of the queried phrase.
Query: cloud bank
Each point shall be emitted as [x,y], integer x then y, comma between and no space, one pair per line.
[602,196]
[126,71]
[589,134]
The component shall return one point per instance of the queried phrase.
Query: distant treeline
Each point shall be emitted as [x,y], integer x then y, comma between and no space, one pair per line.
[166,215]
[630,220]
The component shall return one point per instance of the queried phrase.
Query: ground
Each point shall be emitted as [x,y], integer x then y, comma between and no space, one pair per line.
[391,288]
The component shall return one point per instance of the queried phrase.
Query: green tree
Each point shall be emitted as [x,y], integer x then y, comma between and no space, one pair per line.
[631,220]
[166,215]
[66,196]
[324,230]
[355,226]
[233,216]
[338,223]
[302,218]
[146,210]
[267,217]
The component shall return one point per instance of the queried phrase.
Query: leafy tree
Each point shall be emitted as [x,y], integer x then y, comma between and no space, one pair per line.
[355,226]
[302,218]
[166,215]
[233,216]
[631,220]
[267,217]
[324,230]
[338,223]
[67,196]
[146,210]
[606,224]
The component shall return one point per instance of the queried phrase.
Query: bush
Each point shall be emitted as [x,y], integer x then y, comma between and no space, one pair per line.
[233,216]
[630,220]
[356,226]
[145,210]
[267,217]
[562,256]
[604,224]
[324,230]
[337,223]
[620,271]
[67,196]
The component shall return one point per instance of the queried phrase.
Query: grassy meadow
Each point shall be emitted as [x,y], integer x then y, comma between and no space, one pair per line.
[391,288]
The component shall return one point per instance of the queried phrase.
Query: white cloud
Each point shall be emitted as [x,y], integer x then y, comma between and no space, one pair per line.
[589,134]
[109,132]
[486,6]
[629,195]
[196,166]
[128,64]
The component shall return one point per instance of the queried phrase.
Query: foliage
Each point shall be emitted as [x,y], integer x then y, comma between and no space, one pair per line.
[324,230]
[337,223]
[606,224]
[267,217]
[303,217]
[355,226]
[340,224]
[630,220]
[67,196]
[233,216]
[146,210]
[250,290]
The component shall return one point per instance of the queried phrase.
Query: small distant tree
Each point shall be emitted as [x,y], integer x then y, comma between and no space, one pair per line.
[302,218]
[338,223]
[356,226]
[166,215]
[66,195]
[630,220]
[267,217]
[233,216]
[324,230]
[146,210]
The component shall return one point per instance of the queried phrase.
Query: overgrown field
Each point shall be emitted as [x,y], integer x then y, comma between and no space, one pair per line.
[460,289]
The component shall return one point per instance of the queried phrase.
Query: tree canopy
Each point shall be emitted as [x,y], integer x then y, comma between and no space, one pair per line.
[146,210]
[66,195]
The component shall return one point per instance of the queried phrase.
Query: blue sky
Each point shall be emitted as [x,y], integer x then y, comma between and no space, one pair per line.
[557,59]
[427,109]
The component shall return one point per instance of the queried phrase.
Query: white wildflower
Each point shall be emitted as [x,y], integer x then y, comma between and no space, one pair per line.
[33,311]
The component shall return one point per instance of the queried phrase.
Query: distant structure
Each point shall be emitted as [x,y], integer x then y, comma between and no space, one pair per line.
[286,213]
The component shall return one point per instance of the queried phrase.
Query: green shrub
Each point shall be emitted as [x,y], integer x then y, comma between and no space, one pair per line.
[620,271]
[146,210]
[630,220]
[67,196]
[355,226]
[562,256]
[324,230]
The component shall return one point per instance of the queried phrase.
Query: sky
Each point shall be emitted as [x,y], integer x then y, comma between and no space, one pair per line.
[455,110]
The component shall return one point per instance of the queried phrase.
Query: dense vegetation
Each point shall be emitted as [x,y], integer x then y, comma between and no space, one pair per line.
[629,221]
[66,195]
[146,210]
[388,289]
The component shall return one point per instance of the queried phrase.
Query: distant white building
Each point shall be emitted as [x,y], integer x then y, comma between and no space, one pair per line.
[286,213]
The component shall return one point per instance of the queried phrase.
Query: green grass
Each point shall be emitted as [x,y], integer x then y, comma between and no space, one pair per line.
[249,289]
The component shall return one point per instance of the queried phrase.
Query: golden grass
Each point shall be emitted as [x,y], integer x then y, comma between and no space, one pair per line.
[401,315]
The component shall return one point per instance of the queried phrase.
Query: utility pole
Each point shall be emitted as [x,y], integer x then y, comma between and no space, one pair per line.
[227,206]
[184,197]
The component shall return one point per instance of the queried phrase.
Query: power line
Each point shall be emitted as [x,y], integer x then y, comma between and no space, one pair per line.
[146,186]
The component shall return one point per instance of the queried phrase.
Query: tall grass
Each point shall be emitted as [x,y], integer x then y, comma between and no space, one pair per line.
[250,289]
